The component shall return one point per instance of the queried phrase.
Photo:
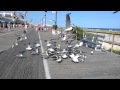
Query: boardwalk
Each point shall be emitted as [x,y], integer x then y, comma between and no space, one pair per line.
[100,65]
[30,67]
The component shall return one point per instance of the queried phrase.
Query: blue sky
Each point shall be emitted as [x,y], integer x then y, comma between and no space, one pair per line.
[91,19]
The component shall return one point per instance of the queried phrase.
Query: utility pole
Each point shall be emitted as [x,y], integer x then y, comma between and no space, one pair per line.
[56,21]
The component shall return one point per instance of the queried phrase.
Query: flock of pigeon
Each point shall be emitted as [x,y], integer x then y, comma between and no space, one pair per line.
[58,54]
[34,51]
[54,50]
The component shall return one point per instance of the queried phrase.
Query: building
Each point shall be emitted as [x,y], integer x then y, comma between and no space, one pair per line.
[48,27]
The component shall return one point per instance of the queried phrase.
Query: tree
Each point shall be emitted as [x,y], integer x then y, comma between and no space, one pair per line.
[79,32]
[55,27]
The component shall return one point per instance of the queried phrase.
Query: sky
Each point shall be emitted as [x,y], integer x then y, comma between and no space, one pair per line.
[87,19]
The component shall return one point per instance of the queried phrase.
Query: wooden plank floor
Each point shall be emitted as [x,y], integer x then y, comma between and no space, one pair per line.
[30,67]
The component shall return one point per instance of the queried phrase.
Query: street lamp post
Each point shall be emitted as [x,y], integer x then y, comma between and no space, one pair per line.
[53,21]
[45,20]
[56,21]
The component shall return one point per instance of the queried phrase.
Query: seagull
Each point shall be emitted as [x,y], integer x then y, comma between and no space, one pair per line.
[92,52]
[74,58]
[29,47]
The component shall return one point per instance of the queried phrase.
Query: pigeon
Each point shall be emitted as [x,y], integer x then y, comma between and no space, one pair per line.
[83,58]
[25,37]
[59,60]
[16,43]
[55,57]
[46,56]
[35,52]
[37,44]
[92,52]
[48,44]
[64,56]
[13,46]
[51,49]
[29,47]
[19,39]
[20,55]
[86,45]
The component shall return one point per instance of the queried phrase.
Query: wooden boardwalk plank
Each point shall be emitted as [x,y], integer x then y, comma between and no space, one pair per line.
[30,67]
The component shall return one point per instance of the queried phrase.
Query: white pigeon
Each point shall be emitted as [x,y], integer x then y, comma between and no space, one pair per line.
[48,44]
[64,38]
[92,52]
[69,46]
[13,46]
[51,49]
[25,37]
[76,46]
[16,43]
[58,46]
[20,55]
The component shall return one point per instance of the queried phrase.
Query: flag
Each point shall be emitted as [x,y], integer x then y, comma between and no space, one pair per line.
[54,11]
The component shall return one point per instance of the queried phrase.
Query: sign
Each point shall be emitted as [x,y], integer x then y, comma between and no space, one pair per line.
[7,15]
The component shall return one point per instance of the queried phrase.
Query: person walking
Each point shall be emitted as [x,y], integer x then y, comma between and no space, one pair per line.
[8,26]
[26,26]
